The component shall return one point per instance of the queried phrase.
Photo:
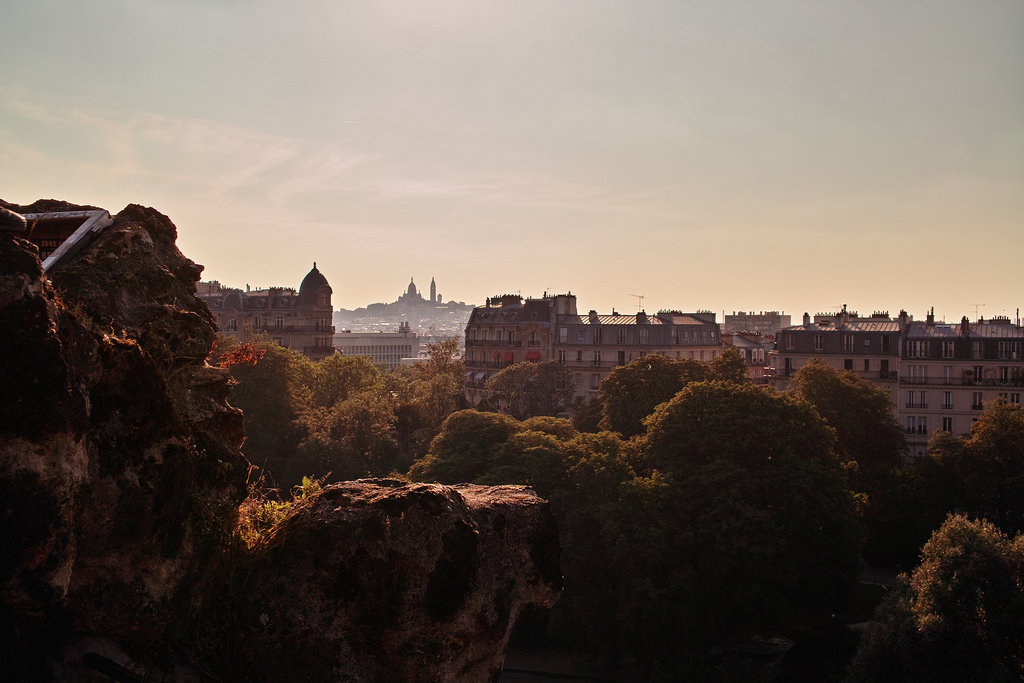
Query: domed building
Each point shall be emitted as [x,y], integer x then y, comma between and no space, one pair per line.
[299,320]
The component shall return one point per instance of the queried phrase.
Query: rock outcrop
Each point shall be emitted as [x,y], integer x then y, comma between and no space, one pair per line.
[120,480]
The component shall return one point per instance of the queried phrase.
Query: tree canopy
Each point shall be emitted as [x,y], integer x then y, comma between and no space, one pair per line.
[870,439]
[956,618]
[631,392]
[528,389]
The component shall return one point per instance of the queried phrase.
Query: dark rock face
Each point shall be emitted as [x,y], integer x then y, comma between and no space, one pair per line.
[120,480]
[119,456]
[381,580]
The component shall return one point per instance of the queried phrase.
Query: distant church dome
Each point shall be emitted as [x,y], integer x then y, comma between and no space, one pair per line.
[412,288]
[310,287]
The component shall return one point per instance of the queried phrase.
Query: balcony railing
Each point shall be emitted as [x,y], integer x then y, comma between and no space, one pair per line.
[964,381]
[496,343]
[911,404]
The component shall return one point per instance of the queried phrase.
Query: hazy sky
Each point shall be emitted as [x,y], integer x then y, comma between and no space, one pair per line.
[717,155]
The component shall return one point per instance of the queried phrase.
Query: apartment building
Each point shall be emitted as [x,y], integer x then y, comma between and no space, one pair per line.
[299,320]
[383,348]
[939,375]
[950,371]
[510,330]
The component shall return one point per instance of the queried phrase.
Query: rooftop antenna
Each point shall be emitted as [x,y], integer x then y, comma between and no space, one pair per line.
[976,307]
[639,301]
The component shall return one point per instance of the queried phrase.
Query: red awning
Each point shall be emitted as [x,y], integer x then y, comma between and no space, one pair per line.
[496,354]
[533,355]
[508,355]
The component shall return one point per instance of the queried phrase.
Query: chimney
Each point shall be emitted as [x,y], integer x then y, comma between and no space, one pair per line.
[807,319]
[930,320]
[965,327]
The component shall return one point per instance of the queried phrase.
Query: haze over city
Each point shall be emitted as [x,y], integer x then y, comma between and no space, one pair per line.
[742,155]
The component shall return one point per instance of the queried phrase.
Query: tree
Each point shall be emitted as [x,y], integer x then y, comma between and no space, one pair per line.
[270,392]
[956,618]
[987,467]
[464,448]
[529,389]
[631,392]
[870,439]
[740,519]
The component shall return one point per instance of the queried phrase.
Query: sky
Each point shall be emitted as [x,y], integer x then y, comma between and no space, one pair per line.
[724,155]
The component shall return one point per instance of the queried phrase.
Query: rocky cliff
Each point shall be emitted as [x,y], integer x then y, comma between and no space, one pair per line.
[120,480]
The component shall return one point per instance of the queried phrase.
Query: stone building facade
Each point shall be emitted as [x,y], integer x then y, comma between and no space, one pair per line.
[939,375]
[384,348]
[299,320]
[509,329]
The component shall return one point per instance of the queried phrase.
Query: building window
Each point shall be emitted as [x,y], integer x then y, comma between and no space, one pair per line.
[867,365]
[580,338]
[819,342]
[511,336]
[675,335]
[1009,350]
[597,358]
[886,344]
[1004,374]
[911,424]
[884,367]
[702,355]
[922,425]
[563,335]
[947,401]
[579,356]
[789,367]
[790,344]
[578,378]
[947,350]
[622,335]
[233,325]
[561,356]
[947,424]
[847,342]
[1015,397]
[917,349]
[595,381]
[622,357]
[534,339]
[978,349]
[597,335]
[976,402]
[848,364]
[979,372]
[645,335]
[947,374]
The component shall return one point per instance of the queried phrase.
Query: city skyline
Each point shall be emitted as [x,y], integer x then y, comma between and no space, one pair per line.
[719,156]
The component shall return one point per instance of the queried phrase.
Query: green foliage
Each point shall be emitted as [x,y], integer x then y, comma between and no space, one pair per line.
[871,445]
[957,618]
[985,470]
[753,523]
[528,389]
[758,429]
[869,437]
[343,414]
[269,392]
[464,448]
[631,392]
